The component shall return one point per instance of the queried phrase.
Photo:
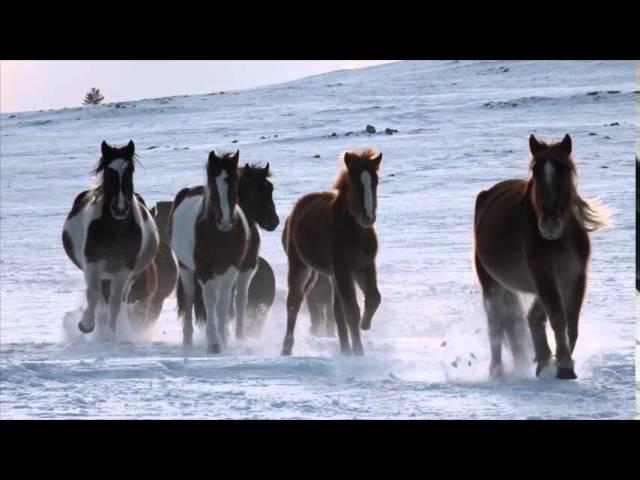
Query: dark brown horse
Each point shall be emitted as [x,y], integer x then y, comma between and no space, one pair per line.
[332,233]
[532,236]
[159,280]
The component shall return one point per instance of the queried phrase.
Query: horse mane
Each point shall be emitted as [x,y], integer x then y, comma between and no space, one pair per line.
[98,171]
[591,214]
[342,178]
[225,160]
[552,150]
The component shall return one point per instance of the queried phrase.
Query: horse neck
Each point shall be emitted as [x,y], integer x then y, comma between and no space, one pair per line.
[341,206]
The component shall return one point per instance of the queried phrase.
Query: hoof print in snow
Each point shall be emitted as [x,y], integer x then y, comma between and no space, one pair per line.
[235,141]
[443,344]
[390,131]
[370,129]
[316,156]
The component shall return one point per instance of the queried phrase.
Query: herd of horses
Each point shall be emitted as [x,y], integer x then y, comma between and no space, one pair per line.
[530,236]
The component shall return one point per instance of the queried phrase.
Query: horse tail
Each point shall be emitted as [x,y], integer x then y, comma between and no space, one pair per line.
[591,214]
[198,305]
[180,299]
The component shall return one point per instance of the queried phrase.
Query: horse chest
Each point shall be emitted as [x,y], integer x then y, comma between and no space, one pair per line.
[115,245]
[215,251]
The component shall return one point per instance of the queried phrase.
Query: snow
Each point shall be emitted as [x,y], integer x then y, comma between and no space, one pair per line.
[462,126]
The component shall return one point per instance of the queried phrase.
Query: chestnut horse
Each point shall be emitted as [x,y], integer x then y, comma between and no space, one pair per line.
[333,233]
[531,236]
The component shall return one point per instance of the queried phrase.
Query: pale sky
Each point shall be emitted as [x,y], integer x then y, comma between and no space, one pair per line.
[40,85]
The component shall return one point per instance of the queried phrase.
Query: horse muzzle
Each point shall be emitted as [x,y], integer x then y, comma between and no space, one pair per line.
[272,223]
[367,221]
[550,229]
[120,213]
[225,226]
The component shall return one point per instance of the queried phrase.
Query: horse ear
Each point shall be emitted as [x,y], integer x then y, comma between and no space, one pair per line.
[348,159]
[266,169]
[130,149]
[376,160]
[534,144]
[212,156]
[104,148]
[235,158]
[565,144]
[153,212]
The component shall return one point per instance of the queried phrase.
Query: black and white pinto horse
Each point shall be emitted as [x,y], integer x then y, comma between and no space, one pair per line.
[210,237]
[110,235]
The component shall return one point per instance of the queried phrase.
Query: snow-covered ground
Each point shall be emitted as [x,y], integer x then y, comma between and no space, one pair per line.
[462,126]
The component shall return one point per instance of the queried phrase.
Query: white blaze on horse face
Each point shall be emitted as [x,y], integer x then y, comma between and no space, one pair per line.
[548,172]
[223,195]
[368,193]
[119,165]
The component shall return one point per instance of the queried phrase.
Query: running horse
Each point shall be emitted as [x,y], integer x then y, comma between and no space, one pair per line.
[210,238]
[531,236]
[255,199]
[332,233]
[110,235]
[158,281]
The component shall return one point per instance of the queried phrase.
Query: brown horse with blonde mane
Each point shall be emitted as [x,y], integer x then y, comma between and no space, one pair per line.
[332,233]
[531,236]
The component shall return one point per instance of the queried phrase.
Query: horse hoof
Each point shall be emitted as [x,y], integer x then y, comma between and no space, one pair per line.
[365,325]
[566,373]
[286,351]
[213,348]
[358,352]
[540,367]
[85,329]
[496,371]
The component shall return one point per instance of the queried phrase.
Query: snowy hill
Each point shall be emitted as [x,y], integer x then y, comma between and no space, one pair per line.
[462,126]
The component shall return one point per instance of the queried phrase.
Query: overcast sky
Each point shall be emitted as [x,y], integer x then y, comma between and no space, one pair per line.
[40,85]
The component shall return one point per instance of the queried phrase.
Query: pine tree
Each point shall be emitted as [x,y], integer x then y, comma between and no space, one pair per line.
[93,97]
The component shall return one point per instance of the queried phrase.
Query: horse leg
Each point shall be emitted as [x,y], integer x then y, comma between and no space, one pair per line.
[242,290]
[341,326]
[552,302]
[537,318]
[574,304]
[515,327]
[346,291]
[367,281]
[299,273]
[209,295]
[120,286]
[94,287]
[186,292]
[492,296]
[329,316]
[225,285]
[314,303]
